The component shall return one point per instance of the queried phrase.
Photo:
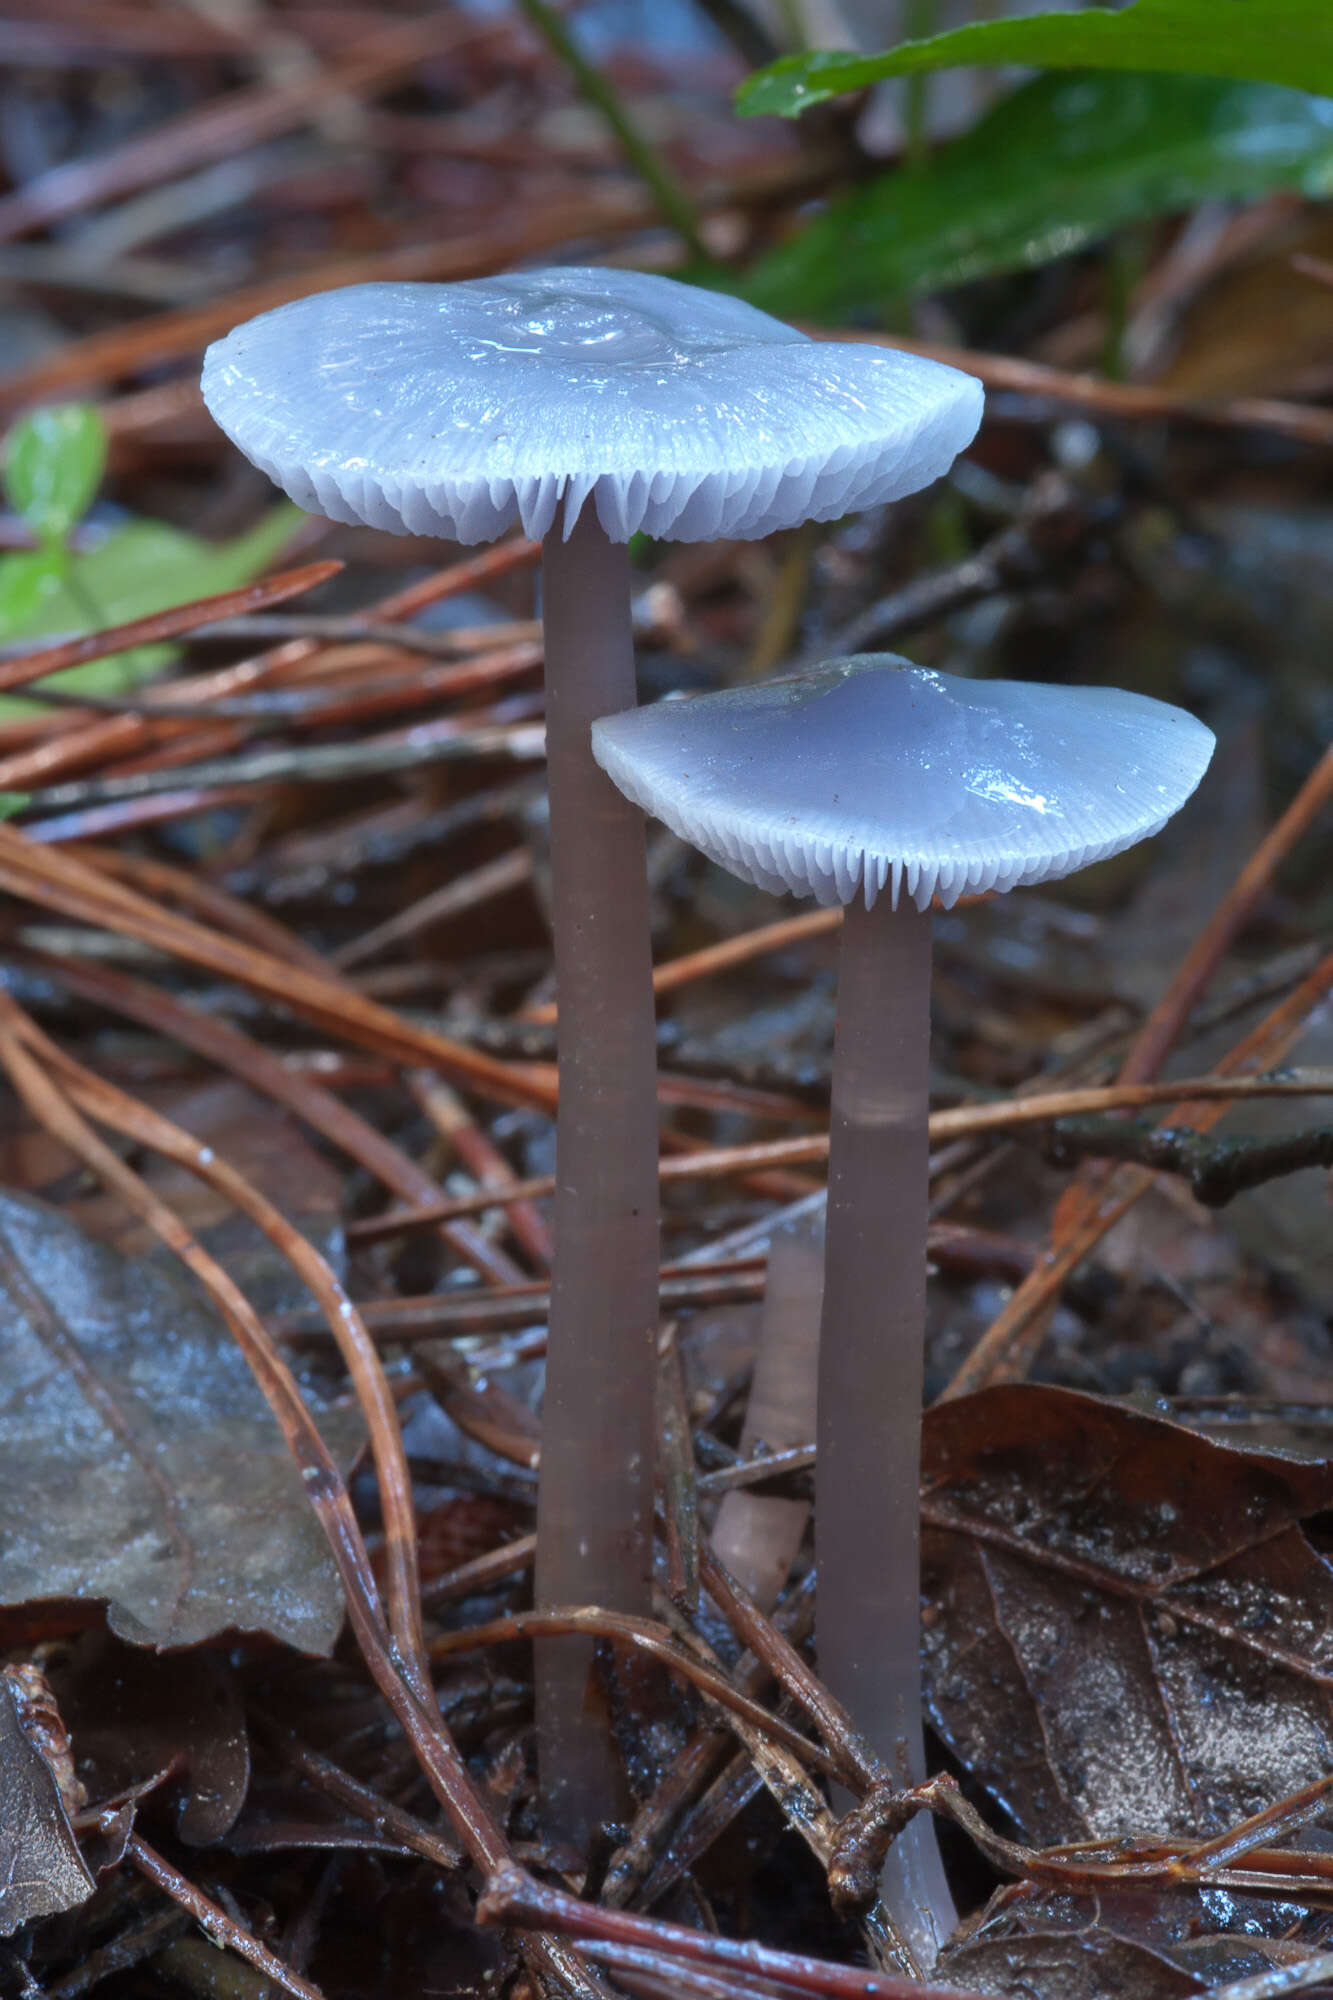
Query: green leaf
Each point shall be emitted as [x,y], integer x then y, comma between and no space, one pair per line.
[1264,41]
[1058,164]
[144,567]
[28,580]
[54,460]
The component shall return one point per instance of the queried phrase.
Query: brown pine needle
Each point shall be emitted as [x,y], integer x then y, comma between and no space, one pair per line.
[160,625]
[963,1121]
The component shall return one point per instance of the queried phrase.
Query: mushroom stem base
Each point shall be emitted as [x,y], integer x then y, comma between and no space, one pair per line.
[594,1515]
[867,1500]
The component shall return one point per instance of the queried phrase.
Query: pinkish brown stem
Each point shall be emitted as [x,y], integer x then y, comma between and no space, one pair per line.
[867,1500]
[594,1512]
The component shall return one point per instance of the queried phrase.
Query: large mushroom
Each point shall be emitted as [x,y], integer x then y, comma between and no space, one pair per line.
[588,405]
[883,786]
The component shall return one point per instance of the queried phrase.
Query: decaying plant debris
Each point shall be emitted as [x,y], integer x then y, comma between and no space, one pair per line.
[279,1029]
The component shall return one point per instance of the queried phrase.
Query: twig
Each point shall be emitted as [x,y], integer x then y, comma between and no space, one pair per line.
[369,1805]
[104,737]
[787,1780]
[1317,268]
[512,1558]
[338,699]
[483,1159]
[512,1307]
[964,1121]
[719,957]
[1092,1205]
[170,336]
[771,1646]
[866,1833]
[1055,522]
[1168,1017]
[124,1114]
[265,1071]
[442,742]
[354,628]
[1305,422]
[644,1636]
[35,665]
[1217,1172]
[496,1566]
[462,892]
[762,1637]
[224,1930]
[514,1897]
[57,880]
[1009,1345]
[238,118]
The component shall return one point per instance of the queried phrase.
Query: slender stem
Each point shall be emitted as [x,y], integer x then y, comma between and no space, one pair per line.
[594,1516]
[867,1501]
[758,1536]
[920,20]
[638,148]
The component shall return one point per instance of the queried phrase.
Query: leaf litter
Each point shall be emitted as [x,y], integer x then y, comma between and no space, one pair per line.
[1099,1575]
[1126,1617]
[41,1868]
[144,1470]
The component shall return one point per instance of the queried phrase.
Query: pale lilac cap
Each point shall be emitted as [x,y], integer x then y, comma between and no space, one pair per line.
[869,773]
[459,410]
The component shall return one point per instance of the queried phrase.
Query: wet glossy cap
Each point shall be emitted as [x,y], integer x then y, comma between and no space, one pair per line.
[457,410]
[869,771]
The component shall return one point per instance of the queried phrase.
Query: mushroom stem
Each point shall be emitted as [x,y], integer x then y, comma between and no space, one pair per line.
[594,1511]
[867,1502]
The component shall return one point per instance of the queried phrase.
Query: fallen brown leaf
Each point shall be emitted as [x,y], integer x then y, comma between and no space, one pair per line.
[1129,1629]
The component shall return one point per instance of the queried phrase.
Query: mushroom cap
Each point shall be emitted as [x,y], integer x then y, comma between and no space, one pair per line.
[870,771]
[456,410]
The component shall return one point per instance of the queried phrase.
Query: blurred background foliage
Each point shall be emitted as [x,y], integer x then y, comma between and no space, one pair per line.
[54,461]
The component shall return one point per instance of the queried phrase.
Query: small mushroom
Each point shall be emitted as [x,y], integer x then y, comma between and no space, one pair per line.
[588,405]
[883,786]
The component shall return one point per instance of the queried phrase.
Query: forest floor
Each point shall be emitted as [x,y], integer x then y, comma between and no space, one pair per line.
[276,968]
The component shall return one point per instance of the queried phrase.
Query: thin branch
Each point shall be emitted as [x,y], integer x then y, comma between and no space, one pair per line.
[1055,522]
[35,665]
[56,880]
[1168,1017]
[1217,1171]
[224,1930]
[325,763]
[644,1636]
[964,1121]
[1127,401]
[515,1898]
[1010,1344]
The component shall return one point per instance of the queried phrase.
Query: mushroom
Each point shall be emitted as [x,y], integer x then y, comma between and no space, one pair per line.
[882,786]
[588,405]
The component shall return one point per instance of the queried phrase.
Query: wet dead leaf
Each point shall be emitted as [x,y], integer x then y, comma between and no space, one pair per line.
[41,1869]
[255,1135]
[140,1464]
[1131,1946]
[134,1714]
[1129,1630]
